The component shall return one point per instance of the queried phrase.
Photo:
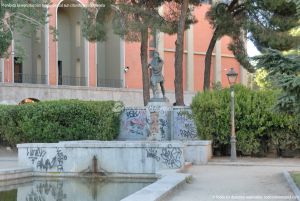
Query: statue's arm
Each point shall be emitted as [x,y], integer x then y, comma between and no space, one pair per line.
[161,63]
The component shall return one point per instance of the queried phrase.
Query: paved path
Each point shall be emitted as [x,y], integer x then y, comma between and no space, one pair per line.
[242,180]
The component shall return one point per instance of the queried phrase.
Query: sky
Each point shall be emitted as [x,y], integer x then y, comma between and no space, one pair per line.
[251,49]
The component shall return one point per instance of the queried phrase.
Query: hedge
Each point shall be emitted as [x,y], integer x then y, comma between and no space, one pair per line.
[54,121]
[258,128]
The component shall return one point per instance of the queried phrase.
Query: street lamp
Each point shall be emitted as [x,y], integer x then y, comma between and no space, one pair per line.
[232,76]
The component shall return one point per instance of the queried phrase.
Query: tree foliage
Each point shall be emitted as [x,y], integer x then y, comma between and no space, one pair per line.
[15,15]
[266,23]
[284,70]
[128,18]
[262,81]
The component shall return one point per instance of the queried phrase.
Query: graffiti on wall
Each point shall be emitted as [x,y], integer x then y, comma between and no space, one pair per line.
[134,122]
[184,125]
[34,153]
[170,156]
[40,161]
[163,126]
[154,123]
[153,153]
[163,122]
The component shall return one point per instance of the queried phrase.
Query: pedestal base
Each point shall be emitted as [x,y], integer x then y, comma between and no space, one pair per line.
[159,100]
[159,119]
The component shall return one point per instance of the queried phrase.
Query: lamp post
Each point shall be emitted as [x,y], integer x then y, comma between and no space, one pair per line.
[232,76]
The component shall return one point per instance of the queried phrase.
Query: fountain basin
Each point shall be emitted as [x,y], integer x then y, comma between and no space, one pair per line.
[74,158]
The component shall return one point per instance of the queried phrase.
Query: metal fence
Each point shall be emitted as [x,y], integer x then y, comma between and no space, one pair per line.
[113,83]
[30,78]
[72,81]
[64,80]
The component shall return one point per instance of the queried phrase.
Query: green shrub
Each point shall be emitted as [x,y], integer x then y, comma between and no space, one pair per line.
[257,126]
[54,121]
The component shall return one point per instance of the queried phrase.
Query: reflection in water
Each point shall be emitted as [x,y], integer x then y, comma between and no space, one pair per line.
[41,190]
[82,189]
[10,195]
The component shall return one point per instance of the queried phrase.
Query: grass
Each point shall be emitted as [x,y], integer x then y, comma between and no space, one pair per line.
[296,177]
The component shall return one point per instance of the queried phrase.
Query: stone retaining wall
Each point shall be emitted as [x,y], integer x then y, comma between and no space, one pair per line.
[15,93]
[117,157]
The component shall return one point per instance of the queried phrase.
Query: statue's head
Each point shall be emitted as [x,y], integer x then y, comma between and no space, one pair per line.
[155,54]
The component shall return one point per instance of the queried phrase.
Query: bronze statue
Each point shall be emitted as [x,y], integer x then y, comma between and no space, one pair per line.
[156,75]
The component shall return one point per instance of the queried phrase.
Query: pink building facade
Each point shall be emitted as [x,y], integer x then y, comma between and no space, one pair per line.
[70,59]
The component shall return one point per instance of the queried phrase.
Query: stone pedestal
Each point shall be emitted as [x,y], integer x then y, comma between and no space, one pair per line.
[166,122]
[159,111]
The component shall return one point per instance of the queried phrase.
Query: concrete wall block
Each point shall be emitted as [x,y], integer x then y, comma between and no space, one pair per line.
[134,124]
[198,152]
[183,124]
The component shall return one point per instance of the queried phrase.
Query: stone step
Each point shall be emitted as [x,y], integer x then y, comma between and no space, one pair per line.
[15,173]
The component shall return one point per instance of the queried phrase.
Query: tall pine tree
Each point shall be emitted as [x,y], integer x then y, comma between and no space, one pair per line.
[185,19]
[284,71]
[267,23]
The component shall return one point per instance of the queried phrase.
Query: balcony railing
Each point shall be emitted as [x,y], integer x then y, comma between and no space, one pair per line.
[64,80]
[72,81]
[30,78]
[113,83]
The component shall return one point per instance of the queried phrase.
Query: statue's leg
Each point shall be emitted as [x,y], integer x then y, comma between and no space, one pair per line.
[162,88]
[153,87]
[155,91]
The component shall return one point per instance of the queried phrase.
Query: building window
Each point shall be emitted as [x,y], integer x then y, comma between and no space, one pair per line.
[18,70]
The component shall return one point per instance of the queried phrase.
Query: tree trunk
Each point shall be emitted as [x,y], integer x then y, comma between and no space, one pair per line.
[144,61]
[212,43]
[178,82]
